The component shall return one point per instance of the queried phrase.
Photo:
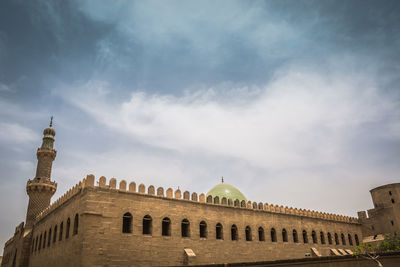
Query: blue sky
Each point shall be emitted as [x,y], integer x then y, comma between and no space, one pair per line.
[296,103]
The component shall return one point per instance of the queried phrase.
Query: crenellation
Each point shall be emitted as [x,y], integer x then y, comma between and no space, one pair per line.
[151,190]
[112,183]
[186,195]
[102,182]
[169,192]
[255,206]
[178,194]
[142,189]
[194,197]
[202,198]
[132,187]
[122,186]
[160,191]
[224,201]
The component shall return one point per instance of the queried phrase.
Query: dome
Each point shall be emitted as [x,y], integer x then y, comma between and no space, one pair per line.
[49,131]
[226,190]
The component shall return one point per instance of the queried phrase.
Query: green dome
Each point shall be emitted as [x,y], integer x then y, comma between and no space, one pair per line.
[226,190]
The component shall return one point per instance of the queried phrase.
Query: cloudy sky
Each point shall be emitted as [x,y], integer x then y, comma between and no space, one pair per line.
[296,103]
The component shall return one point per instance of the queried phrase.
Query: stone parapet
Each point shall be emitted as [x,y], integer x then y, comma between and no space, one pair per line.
[123,186]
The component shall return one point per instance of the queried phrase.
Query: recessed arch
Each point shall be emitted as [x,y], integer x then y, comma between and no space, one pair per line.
[127,223]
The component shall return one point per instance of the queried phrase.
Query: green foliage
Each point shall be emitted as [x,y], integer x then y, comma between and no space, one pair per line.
[390,243]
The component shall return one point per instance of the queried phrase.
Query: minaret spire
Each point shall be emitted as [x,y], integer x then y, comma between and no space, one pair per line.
[41,188]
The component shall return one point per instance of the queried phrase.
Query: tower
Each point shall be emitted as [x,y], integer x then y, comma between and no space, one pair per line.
[41,188]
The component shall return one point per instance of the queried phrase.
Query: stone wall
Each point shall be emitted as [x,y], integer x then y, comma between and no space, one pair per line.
[100,240]
[384,218]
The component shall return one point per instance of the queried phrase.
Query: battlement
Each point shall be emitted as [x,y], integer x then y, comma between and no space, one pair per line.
[89,181]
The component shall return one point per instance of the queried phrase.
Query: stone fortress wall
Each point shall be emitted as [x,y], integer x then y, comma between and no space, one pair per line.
[101,210]
[385,216]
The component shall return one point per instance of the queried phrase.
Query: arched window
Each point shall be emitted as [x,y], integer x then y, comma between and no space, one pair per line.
[185,228]
[322,237]
[336,239]
[234,233]
[36,243]
[147,225]
[76,224]
[40,241]
[203,229]
[166,227]
[219,231]
[55,234]
[329,238]
[343,239]
[295,237]
[44,240]
[273,235]
[127,223]
[314,237]
[248,233]
[305,237]
[49,239]
[261,235]
[356,238]
[61,231]
[350,240]
[284,235]
[67,228]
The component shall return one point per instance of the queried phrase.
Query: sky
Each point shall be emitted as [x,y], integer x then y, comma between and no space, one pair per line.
[296,103]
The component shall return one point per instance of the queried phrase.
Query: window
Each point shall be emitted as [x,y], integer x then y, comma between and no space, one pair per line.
[322,237]
[392,200]
[336,239]
[44,240]
[40,241]
[329,238]
[392,222]
[234,234]
[147,225]
[218,231]
[295,237]
[55,234]
[273,235]
[76,224]
[284,235]
[203,229]
[127,223]
[356,238]
[305,237]
[343,239]
[49,239]
[314,237]
[261,235]
[185,228]
[350,240]
[166,227]
[36,243]
[248,233]
[67,228]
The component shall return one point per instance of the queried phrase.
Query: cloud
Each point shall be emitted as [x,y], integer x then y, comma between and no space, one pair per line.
[300,119]
[16,133]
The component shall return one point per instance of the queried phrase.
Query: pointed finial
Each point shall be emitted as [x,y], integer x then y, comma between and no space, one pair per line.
[222,179]
[51,121]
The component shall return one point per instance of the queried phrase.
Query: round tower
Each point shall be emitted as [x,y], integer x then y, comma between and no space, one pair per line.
[41,189]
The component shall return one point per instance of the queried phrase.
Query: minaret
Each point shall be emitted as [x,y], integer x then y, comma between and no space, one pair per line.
[41,189]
